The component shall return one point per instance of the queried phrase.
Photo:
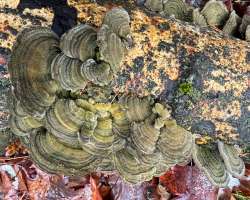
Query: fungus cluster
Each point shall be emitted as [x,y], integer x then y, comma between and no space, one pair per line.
[214,13]
[76,136]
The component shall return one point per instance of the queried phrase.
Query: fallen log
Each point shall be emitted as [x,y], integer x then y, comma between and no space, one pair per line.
[201,72]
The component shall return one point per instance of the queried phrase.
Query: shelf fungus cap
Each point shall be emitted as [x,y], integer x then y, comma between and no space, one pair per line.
[163,111]
[118,20]
[22,126]
[233,162]
[111,47]
[215,12]
[175,143]
[99,139]
[99,74]
[64,120]
[67,72]
[144,136]
[232,23]
[154,5]
[245,22]
[208,160]
[247,34]
[121,125]
[54,157]
[198,18]
[137,109]
[29,69]
[177,8]
[79,42]
[130,168]
[15,106]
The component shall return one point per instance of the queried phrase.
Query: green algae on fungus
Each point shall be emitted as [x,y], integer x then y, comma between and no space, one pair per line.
[83,125]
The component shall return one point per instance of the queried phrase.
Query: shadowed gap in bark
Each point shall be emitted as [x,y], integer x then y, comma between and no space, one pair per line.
[65,17]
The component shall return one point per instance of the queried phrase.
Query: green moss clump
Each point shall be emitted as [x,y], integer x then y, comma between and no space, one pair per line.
[186,88]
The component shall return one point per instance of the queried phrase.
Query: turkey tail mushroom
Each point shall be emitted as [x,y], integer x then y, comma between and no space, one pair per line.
[215,12]
[54,157]
[137,109]
[233,162]
[208,160]
[99,74]
[154,5]
[64,119]
[79,42]
[67,71]
[118,20]
[22,126]
[133,171]
[29,69]
[232,23]
[144,136]
[111,47]
[177,8]
[198,18]
[175,143]
[121,125]
[100,140]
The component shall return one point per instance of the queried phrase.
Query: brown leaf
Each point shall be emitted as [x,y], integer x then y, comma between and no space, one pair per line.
[187,182]
[15,148]
[176,180]
[95,191]
[5,182]
[124,191]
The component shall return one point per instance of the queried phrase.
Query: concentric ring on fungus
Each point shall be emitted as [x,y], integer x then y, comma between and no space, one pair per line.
[76,135]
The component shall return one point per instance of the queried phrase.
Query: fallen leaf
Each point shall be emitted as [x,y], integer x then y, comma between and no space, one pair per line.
[188,182]
[15,148]
[95,191]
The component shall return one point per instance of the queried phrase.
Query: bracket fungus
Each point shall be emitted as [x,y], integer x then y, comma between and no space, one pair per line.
[208,159]
[154,5]
[79,42]
[215,14]
[80,134]
[199,19]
